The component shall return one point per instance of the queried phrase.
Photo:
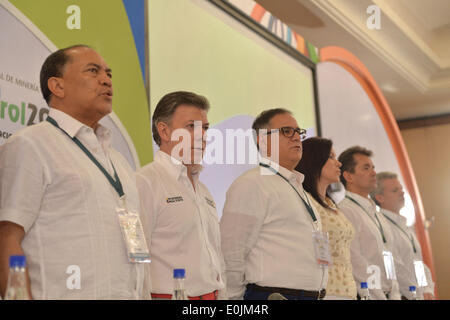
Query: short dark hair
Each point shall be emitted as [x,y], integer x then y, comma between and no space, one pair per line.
[316,152]
[263,119]
[53,67]
[168,104]
[348,161]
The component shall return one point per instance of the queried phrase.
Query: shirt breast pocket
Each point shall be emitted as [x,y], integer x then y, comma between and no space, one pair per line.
[65,190]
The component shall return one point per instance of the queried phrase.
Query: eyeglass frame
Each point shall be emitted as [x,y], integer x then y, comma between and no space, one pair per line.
[301,132]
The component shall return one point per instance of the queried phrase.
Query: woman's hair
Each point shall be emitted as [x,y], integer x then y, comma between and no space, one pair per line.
[316,152]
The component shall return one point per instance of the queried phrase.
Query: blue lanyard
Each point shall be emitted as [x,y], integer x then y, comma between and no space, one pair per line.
[409,237]
[307,205]
[379,226]
[115,182]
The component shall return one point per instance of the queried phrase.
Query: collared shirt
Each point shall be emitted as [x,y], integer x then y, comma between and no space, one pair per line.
[367,247]
[67,208]
[184,228]
[267,233]
[404,252]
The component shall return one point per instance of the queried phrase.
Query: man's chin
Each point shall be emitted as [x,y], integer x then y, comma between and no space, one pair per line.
[296,157]
[108,110]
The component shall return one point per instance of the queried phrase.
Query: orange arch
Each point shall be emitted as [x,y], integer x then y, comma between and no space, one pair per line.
[353,65]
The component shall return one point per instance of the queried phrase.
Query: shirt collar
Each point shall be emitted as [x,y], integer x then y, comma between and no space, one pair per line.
[399,219]
[175,167]
[73,127]
[367,203]
[293,176]
[66,122]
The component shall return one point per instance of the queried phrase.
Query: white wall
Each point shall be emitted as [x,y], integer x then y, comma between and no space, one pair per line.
[349,118]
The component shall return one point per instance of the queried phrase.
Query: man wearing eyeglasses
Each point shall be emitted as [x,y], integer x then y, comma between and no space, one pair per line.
[268,224]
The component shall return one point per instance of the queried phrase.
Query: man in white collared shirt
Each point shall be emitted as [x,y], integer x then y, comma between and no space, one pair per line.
[389,196]
[56,206]
[266,227]
[373,236]
[183,221]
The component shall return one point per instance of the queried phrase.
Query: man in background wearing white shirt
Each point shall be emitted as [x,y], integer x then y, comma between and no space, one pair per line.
[372,234]
[268,224]
[389,196]
[181,213]
[57,206]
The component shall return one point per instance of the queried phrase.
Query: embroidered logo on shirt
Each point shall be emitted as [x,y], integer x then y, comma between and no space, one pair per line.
[210,202]
[174,199]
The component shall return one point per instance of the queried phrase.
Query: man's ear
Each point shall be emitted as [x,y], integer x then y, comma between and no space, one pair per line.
[262,144]
[347,176]
[379,198]
[163,131]
[56,86]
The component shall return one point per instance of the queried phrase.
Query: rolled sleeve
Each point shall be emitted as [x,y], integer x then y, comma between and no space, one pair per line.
[21,182]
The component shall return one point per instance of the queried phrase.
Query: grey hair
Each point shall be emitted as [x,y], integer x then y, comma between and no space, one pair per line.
[381,176]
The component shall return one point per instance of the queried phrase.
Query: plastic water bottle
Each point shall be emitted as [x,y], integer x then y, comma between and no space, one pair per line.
[364,291]
[179,293]
[16,288]
[413,293]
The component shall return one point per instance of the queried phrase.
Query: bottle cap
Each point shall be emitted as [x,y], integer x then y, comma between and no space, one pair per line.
[363,285]
[412,288]
[179,273]
[17,261]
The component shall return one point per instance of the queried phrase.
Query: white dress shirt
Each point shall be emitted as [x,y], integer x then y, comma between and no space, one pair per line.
[367,247]
[184,228]
[404,252]
[267,233]
[67,208]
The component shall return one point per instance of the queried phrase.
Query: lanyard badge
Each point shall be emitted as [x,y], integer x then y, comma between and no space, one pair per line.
[322,248]
[130,223]
[389,265]
[419,270]
[320,238]
[133,235]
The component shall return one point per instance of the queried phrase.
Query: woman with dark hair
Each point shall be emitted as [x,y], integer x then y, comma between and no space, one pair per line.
[321,168]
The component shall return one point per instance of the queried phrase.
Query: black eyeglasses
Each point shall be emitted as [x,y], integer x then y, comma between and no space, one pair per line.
[289,132]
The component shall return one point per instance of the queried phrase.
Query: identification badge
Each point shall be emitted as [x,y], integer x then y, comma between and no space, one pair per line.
[420,273]
[133,235]
[389,265]
[322,248]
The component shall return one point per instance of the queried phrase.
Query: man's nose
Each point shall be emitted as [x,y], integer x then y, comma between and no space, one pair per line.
[106,80]
[296,136]
[205,134]
[199,132]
